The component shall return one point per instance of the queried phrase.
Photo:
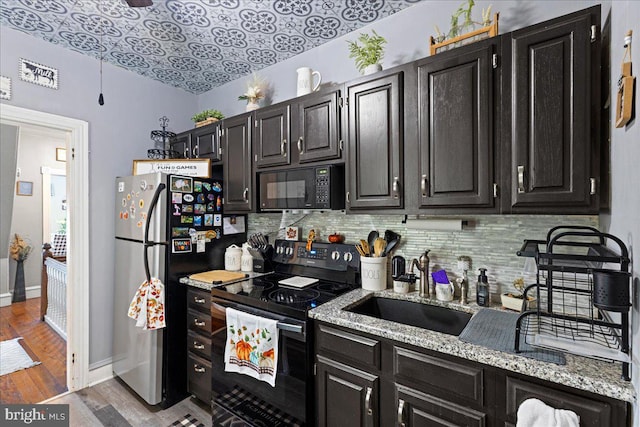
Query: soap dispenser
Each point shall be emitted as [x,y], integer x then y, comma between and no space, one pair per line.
[482,289]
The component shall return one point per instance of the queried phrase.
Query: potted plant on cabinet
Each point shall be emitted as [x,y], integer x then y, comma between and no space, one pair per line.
[206,117]
[368,52]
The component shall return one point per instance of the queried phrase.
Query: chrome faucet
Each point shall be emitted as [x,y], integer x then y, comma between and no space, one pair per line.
[423,267]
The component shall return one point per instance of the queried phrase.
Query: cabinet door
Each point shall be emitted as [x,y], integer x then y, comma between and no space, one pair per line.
[238,178]
[319,128]
[593,411]
[455,119]
[375,143]
[553,134]
[346,396]
[417,409]
[272,142]
[182,144]
[206,142]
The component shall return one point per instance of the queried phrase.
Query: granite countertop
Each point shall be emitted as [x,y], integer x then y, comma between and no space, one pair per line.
[582,373]
[207,286]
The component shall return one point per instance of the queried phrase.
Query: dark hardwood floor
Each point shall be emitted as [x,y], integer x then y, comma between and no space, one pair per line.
[41,382]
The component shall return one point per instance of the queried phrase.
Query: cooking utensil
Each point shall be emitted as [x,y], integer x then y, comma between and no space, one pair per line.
[392,242]
[379,246]
[371,238]
[365,247]
[360,250]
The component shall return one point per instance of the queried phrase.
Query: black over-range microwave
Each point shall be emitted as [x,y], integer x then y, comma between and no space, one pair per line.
[313,187]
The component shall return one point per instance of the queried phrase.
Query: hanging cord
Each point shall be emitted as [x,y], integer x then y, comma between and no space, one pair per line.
[101,96]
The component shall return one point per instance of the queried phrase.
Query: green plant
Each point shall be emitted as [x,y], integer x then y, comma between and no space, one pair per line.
[464,10]
[369,51]
[204,115]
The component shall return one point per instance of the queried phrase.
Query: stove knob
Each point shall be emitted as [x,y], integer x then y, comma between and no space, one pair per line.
[289,251]
[279,249]
[348,256]
[335,255]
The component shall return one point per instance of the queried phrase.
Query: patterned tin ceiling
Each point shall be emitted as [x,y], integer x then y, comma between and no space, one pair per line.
[195,45]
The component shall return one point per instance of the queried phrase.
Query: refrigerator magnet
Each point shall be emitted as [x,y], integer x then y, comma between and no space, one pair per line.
[182,184]
[199,208]
[176,210]
[179,232]
[181,245]
[187,208]
[197,186]
[211,197]
[197,221]
[200,198]
[200,244]
[208,220]
[206,186]
[211,207]
[188,198]
[211,234]
[176,197]
[217,187]
[186,219]
[217,220]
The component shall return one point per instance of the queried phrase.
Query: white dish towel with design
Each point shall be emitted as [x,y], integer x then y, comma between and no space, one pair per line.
[252,346]
[147,305]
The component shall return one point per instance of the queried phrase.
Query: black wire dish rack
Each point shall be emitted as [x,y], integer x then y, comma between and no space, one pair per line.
[583,295]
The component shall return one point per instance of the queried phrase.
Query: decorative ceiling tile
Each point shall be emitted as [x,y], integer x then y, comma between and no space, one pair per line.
[195,45]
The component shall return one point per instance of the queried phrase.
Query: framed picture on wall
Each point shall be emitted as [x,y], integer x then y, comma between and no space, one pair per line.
[24,188]
[5,87]
[39,74]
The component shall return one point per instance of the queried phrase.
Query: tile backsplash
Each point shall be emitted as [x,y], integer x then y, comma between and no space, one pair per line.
[491,241]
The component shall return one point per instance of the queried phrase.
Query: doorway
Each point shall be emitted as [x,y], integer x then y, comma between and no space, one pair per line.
[77,148]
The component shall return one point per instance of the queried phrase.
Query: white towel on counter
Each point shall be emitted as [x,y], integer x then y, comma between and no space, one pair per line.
[252,346]
[147,305]
[536,413]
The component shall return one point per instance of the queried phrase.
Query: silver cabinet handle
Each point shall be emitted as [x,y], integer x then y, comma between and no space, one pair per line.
[185,153]
[520,179]
[367,401]
[282,146]
[394,187]
[198,300]
[289,327]
[198,346]
[196,151]
[401,413]
[300,145]
[199,322]
[348,197]
[245,195]
[423,185]
[199,368]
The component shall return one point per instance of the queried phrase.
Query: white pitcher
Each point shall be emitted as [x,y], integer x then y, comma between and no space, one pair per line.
[305,80]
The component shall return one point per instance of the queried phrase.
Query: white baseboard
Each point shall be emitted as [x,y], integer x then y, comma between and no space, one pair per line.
[31,292]
[100,374]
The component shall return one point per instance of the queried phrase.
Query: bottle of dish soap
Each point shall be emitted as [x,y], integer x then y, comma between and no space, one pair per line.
[482,289]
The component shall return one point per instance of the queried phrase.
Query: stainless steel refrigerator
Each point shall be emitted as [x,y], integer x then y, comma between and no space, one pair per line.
[167,227]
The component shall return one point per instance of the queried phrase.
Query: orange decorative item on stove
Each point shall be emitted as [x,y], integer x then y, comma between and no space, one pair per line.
[336,238]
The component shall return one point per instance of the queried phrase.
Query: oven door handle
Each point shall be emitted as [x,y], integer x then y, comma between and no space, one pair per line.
[289,327]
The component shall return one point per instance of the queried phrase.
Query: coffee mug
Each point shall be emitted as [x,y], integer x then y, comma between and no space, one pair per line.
[305,80]
[444,291]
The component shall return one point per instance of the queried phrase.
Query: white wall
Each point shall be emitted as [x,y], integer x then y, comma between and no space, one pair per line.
[118,133]
[624,218]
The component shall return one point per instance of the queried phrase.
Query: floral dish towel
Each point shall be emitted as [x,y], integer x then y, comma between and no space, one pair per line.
[147,305]
[252,346]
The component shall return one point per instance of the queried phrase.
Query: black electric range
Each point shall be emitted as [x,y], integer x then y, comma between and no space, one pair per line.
[334,266]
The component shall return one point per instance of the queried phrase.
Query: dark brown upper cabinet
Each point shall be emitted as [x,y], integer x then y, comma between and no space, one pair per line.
[272,142]
[375,142]
[318,127]
[456,127]
[181,143]
[553,99]
[236,153]
[205,142]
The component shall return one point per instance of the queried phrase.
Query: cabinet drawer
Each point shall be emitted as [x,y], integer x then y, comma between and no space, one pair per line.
[199,377]
[352,347]
[199,322]
[438,376]
[199,344]
[592,412]
[199,299]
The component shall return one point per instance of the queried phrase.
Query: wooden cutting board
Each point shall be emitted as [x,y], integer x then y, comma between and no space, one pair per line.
[218,276]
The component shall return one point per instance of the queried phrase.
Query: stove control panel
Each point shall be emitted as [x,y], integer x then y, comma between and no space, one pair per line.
[331,256]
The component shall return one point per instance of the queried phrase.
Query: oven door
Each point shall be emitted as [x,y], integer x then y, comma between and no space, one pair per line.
[247,396]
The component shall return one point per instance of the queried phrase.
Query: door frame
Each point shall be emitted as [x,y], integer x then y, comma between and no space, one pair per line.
[77,168]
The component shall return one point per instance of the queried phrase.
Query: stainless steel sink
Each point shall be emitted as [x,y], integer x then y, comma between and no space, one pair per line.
[432,317]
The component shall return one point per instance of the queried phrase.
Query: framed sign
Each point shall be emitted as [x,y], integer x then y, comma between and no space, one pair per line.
[5,87]
[39,74]
[200,168]
[61,154]
[24,188]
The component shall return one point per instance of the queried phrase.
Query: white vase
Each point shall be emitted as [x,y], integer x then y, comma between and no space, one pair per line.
[252,106]
[370,69]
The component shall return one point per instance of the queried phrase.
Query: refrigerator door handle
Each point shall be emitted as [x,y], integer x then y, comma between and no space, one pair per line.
[147,243]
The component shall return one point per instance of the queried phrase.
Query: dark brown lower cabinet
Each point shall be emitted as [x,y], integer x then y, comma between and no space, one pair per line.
[199,343]
[364,380]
